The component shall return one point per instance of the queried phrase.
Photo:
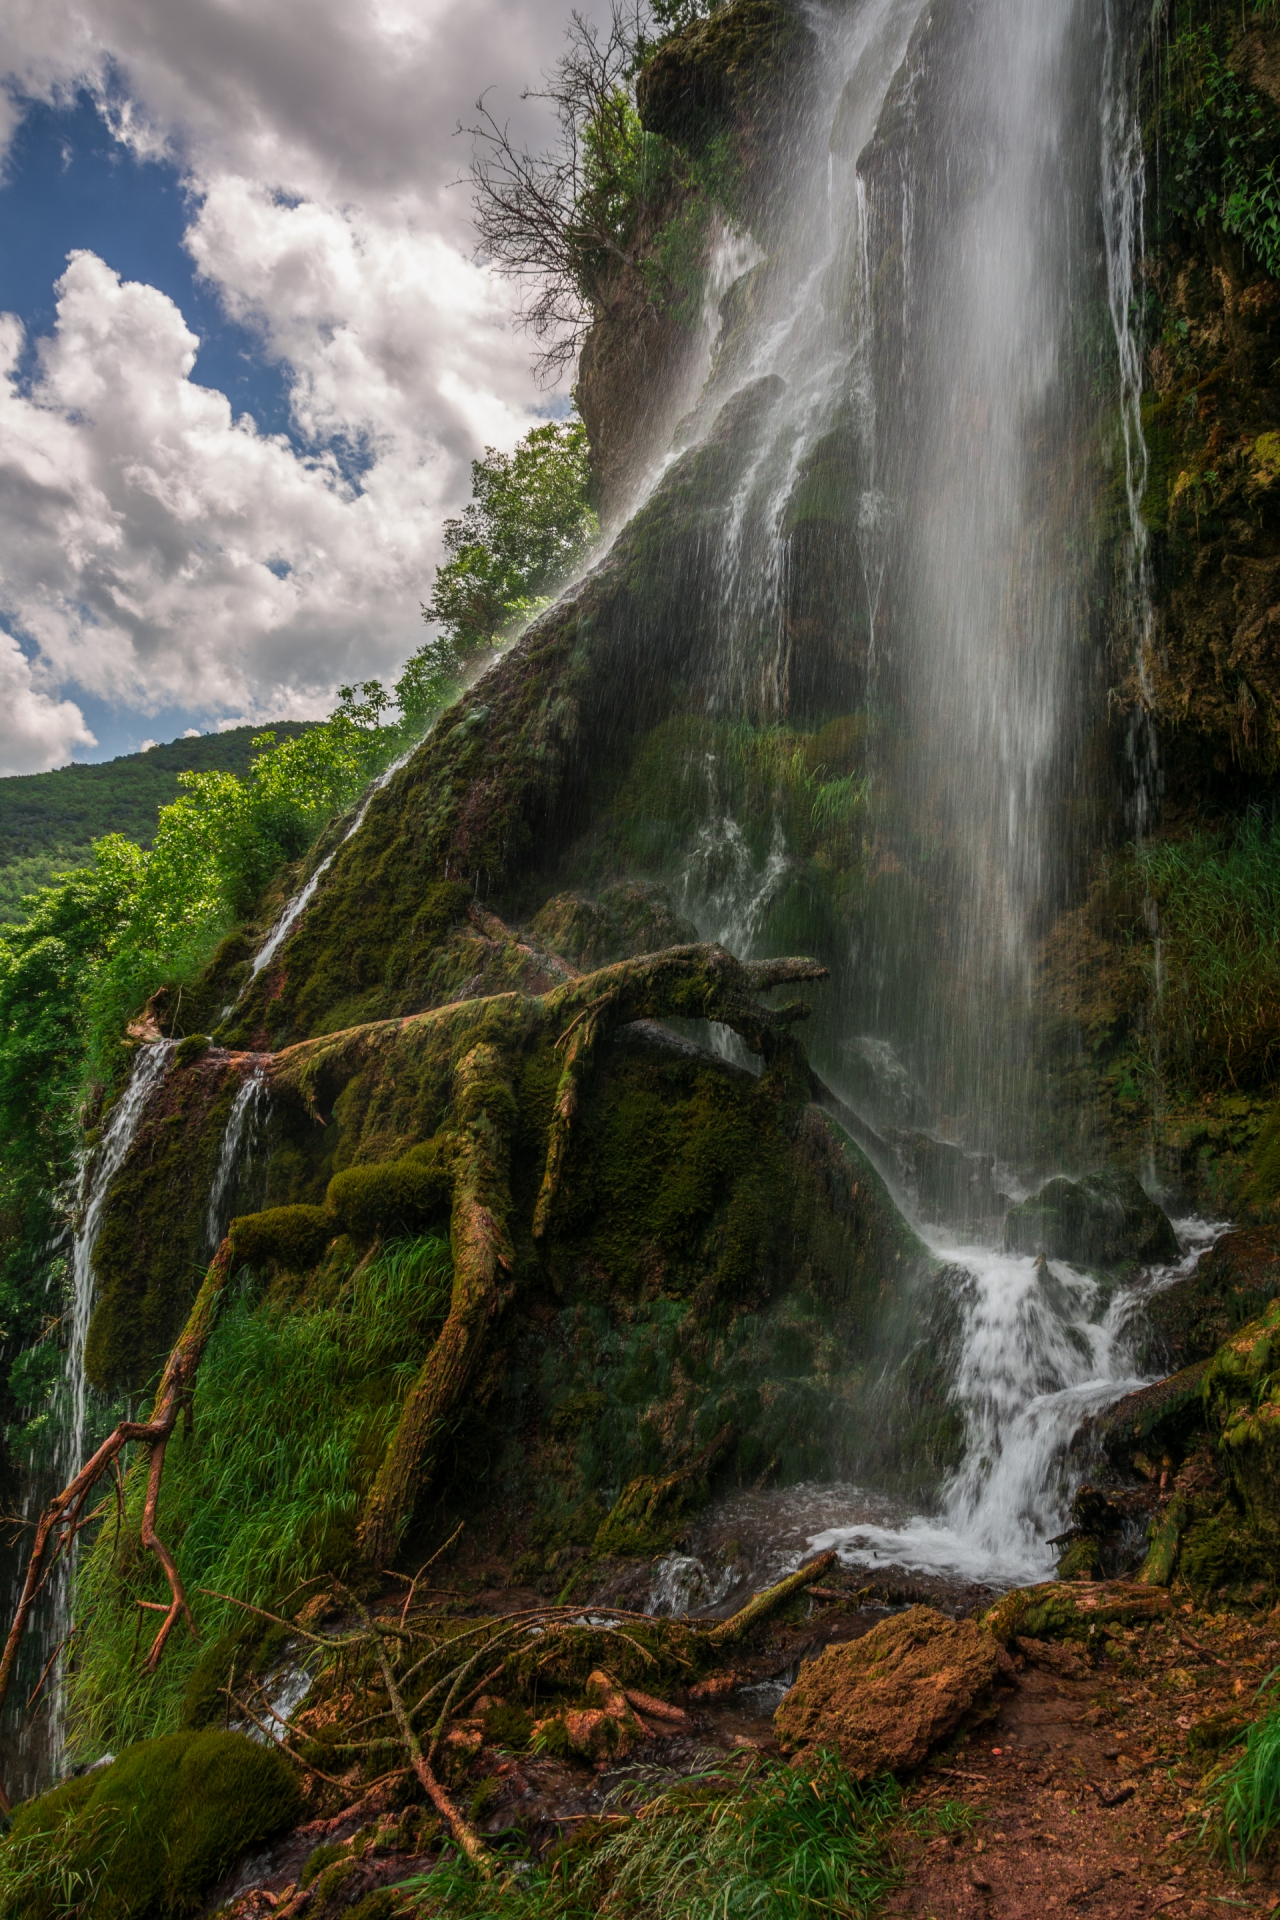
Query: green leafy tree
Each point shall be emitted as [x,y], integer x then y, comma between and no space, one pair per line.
[527,525]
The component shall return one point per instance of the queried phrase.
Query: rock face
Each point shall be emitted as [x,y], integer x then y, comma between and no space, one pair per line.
[883,1701]
[1231,1285]
[1104,1220]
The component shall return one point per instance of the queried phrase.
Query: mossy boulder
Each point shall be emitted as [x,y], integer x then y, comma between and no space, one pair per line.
[725,76]
[153,1833]
[1232,1283]
[631,917]
[1104,1220]
[884,1700]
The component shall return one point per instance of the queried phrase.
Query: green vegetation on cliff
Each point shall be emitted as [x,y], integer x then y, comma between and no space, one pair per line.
[49,821]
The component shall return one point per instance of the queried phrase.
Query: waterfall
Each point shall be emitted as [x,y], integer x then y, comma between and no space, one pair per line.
[1042,1347]
[238,1142]
[97,1172]
[954,338]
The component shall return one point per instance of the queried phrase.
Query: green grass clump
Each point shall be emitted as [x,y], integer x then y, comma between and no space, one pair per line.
[1245,1799]
[147,1837]
[777,1845]
[1214,989]
[292,1411]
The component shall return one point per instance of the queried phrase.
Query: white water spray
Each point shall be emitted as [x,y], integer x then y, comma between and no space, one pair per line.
[1042,1348]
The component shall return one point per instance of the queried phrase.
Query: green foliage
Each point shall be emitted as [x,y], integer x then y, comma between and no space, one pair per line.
[1224,145]
[147,1837]
[1214,986]
[777,1845]
[1245,1799]
[49,821]
[292,1411]
[98,941]
[527,526]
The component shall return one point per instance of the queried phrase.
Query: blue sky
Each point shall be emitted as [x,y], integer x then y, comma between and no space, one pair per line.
[246,352]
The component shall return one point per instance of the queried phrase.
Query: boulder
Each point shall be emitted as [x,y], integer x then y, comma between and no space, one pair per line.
[1232,1283]
[1103,1220]
[883,1701]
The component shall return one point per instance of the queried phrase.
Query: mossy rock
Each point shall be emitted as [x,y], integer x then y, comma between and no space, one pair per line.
[151,1251]
[293,1237]
[1104,1220]
[161,1824]
[1231,1285]
[630,918]
[723,74]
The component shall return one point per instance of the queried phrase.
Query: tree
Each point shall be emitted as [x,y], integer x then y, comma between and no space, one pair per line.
[528,524]
[564,220]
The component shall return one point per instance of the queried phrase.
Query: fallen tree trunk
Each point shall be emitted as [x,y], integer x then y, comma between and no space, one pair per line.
[772,1597]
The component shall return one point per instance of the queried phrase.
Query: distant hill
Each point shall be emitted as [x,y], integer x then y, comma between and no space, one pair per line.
[47,820]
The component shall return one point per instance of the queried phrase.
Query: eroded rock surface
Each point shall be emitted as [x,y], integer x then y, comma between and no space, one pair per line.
[1103,1220]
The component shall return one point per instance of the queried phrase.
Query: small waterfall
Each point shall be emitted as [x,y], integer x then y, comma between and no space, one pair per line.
[97,1172]
[238,1142]
[294,909]
[1042,1347]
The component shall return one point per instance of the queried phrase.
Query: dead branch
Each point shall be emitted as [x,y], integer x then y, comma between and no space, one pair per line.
[772,1597]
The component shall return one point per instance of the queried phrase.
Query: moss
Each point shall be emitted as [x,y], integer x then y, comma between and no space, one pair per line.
[151,1251]
[167,1819]
[382,1904]
[508,1727]
[294,1237]
[248,1648]
[193,1048]
[317,1862]
[399,1196]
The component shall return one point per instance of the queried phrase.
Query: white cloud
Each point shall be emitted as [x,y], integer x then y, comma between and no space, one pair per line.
[141,523]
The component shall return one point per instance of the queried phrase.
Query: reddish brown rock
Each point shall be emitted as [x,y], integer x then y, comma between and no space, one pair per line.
[883,1701]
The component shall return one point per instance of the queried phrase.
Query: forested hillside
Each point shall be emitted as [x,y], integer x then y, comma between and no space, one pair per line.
[49,821]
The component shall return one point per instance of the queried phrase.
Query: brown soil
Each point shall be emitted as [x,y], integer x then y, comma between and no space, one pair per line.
[1087,1782]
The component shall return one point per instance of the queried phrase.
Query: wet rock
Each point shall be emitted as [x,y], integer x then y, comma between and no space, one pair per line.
[952,1183]
[883,1701]
[1232,1283]
[1103,1220]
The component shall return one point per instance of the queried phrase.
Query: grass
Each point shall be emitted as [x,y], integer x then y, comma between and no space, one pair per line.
[1245,1799]
[781,1844]
[292,1410]
[1215,996]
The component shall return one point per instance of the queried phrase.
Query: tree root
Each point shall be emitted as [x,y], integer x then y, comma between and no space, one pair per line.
[65,1514]
[699,982]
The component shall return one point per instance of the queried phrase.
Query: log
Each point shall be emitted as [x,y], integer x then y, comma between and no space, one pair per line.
[1071,1606]
[772,1597]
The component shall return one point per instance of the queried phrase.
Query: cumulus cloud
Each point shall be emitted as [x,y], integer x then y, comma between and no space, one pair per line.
[154,551]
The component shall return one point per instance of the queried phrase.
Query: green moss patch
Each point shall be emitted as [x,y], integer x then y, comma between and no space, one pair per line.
[156,1830]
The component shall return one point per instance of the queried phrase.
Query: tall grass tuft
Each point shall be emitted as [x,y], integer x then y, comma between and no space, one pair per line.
[1213,990]
[778,1845]
[292,1411]
[1246,1798]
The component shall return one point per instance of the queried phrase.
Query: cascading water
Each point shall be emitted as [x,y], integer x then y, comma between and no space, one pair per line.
[99,1170]
[238,1142]
[35,1743]
[953,340]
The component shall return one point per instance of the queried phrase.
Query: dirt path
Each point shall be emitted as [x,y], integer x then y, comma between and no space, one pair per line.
[1086,1783]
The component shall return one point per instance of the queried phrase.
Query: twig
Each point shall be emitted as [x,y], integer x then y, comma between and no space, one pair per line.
[465,1834]
[413,1584]
[47,1665]
[267,1733]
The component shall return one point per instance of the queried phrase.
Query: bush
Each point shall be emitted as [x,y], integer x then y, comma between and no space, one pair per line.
[1246,1798]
